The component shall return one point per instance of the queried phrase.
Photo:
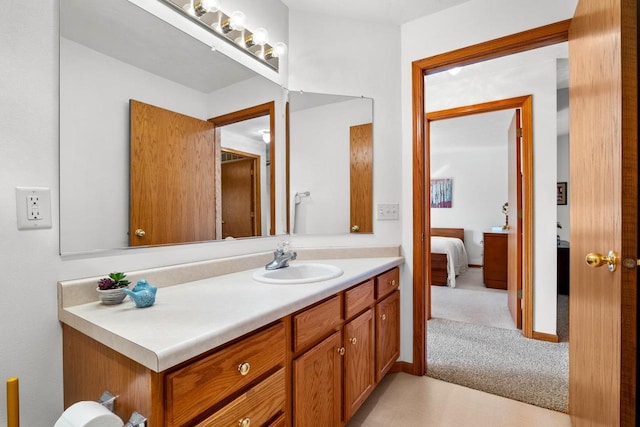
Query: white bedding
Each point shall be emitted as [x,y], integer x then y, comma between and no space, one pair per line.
[457,261]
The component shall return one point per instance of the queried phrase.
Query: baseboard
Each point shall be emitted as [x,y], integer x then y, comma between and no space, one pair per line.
[542,336]
[405,367]
[475,265]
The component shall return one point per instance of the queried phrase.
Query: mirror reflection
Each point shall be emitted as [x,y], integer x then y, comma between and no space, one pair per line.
[114,52]
[332,193]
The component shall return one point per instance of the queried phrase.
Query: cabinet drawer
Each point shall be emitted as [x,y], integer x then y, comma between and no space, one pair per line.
[387,282]
[255,407]
[358,298]
[196,387]
[314,323]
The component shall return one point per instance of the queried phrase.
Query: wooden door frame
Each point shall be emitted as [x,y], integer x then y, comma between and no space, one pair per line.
[525,104]
[256,192]
[268,108]
[519,42]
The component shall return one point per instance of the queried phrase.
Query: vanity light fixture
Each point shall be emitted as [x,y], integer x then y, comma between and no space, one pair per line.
[232,29]
[266,136]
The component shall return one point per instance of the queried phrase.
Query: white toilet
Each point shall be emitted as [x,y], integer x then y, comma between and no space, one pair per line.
[88,414]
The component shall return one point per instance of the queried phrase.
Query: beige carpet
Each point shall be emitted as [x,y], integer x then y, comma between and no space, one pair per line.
[472,341]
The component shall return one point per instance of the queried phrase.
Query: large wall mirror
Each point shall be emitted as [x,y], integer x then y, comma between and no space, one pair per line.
[331,172]
[113,55]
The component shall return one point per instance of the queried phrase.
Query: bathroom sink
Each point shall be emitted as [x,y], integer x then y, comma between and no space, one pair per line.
[306,272]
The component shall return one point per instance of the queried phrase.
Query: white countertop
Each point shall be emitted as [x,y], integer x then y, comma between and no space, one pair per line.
[191,318]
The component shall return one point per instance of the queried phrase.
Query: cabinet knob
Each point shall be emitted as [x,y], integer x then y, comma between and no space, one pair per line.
[243,368]
[383,316]
[341,351]
[353,340]
[393,283]
[244,422]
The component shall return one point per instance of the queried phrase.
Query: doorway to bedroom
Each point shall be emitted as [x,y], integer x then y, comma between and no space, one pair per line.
[482,153]
[469,264]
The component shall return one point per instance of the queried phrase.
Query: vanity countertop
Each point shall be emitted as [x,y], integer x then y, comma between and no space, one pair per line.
[191,318]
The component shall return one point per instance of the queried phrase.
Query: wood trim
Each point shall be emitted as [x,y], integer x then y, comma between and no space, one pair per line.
[629,168]
[525,103]
[405,367]
[520,42]
[287,164]
[268,108]
[543,336]
[475,265]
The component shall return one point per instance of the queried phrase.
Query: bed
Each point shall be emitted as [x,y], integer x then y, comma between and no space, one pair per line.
[448,256]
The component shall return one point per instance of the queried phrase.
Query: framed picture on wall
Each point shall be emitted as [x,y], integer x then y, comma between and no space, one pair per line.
[562,193]
[441,193]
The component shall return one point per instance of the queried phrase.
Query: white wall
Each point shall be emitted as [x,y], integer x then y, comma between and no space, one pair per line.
[323,134]
[322,59]
[30,337]
[470,23]
[479,191]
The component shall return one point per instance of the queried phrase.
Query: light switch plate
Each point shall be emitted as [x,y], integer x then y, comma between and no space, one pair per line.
[33,208]
[387,212]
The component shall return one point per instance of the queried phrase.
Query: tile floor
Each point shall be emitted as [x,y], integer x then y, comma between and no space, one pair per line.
[406,400]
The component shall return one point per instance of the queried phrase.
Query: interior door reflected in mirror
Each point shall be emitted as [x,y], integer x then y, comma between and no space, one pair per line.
[101,69]
[331,170]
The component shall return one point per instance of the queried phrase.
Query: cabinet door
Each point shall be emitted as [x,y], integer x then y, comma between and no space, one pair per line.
[316,384]
[359,372]
[387,333]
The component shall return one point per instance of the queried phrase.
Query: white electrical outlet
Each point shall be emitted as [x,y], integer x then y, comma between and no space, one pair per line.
[33,208]
[387,212]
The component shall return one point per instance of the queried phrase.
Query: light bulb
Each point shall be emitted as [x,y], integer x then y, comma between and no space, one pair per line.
[454,71]
[189,8]
[260,36]
[211,5]
[279,49]
[266,136]
[237,20]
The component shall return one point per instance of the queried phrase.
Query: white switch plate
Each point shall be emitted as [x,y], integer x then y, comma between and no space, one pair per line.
[387,212]
[33,207]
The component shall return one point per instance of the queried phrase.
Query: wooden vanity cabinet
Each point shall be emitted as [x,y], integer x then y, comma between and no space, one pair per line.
[312,368]
[332,378]
[245,379]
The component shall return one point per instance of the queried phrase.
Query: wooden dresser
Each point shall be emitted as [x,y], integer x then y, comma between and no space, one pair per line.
[494,271]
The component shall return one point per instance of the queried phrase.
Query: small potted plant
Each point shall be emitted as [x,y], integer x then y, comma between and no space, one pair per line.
[110,289]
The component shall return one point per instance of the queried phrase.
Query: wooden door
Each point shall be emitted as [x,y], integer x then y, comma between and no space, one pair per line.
[361,195]
[603,195]
[359,372]
[317,376]
[387,333]
[514,244]
[238,198]
[172,195]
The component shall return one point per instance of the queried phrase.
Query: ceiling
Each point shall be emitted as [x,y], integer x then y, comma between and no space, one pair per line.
[383,11]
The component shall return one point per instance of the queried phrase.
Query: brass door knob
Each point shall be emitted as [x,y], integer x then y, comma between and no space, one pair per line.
[140,232]
[595,259]
[244,368]
[355,229]
[244,422]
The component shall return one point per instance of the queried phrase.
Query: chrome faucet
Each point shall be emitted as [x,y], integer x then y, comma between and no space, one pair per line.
[281,257]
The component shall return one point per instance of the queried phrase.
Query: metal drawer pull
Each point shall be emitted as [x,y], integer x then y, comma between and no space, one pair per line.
[353,340]
[383,316]
[341,351]
[244,422]
[243,368]
[393,282]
